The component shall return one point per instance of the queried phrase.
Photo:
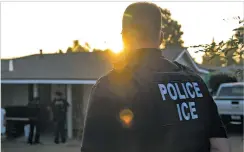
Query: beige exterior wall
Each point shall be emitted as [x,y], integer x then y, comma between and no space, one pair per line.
[77,99]
[80,98]
[87,91]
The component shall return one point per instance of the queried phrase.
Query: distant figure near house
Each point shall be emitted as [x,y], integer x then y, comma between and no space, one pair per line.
[3,121]
[34,108]
[59,109]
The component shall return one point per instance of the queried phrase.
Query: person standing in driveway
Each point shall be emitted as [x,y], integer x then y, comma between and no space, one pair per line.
[34,109]
[59,109]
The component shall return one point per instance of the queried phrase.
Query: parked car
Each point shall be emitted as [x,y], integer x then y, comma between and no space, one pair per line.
[229,99]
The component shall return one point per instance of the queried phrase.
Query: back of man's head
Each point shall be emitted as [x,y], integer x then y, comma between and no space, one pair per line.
[58,94]
[143,19]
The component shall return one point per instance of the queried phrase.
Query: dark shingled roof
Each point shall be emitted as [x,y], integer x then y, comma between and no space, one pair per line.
[82,66]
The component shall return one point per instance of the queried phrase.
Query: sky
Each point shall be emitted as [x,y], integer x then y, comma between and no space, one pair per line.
[27,27]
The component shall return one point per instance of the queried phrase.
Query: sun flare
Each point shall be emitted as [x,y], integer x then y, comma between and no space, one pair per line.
[116,46]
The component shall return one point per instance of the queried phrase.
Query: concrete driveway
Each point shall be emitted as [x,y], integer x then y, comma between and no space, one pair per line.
[19,145]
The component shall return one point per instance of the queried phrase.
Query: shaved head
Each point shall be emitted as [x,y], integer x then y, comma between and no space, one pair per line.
[143,20]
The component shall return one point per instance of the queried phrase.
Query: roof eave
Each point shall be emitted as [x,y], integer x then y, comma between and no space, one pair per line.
[193,62]
[46,81]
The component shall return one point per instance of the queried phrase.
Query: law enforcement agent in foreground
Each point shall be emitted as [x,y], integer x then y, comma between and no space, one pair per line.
[148,103]
[59,109]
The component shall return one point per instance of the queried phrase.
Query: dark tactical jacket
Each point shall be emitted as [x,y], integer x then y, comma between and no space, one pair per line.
[170,106]
[59,108]
[34,109]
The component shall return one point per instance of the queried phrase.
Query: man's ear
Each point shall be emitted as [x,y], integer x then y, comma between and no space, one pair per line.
[127,37]
[124,38]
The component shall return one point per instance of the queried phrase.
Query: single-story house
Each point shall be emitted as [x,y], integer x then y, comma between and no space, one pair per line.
[74,74]
[183,56]
[232,70]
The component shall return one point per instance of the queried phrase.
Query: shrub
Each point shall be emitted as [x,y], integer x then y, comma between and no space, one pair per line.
[216,80]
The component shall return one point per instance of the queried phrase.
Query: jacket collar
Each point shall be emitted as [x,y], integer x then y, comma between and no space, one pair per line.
[137,57]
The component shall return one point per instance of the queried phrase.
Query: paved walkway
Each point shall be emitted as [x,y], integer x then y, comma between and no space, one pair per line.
[39,148]
[19,145]
[236,141]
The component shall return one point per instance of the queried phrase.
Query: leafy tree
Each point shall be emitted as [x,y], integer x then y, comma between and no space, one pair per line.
[60,51]
[87,46]
[78,48]
[225,53]
[96,50]
[69,50]
[172,30]
[212,56]
[238,44]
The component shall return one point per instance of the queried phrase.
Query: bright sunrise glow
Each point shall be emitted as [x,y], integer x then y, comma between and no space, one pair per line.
[27,27]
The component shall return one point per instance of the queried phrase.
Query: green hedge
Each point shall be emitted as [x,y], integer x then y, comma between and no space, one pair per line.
[216,79]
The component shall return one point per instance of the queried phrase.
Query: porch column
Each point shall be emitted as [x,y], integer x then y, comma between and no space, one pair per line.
[69,112]
[35,90]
